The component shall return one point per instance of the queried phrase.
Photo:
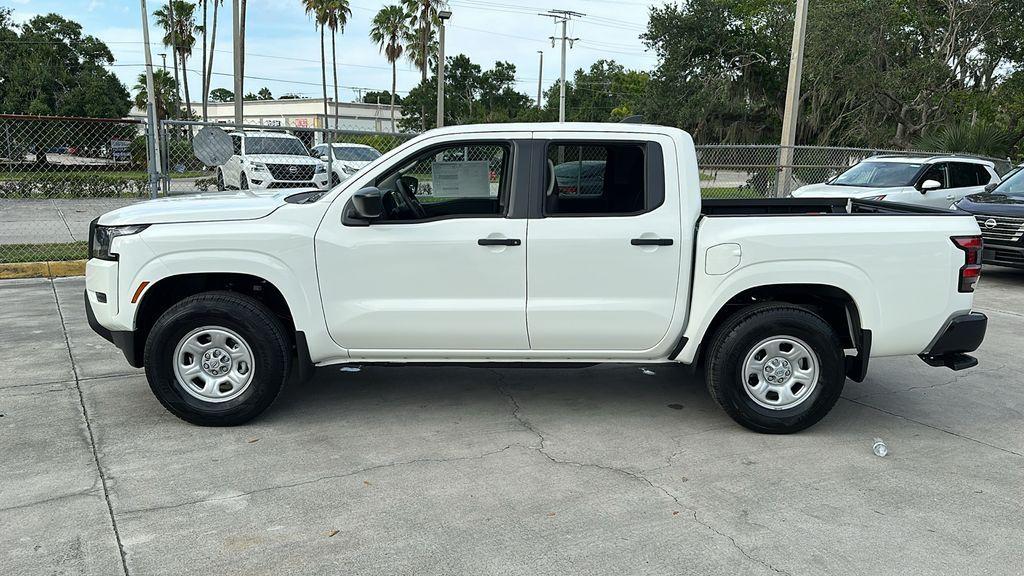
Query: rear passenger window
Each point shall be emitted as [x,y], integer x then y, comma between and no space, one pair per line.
[596,179]
[962,175]
[983,175]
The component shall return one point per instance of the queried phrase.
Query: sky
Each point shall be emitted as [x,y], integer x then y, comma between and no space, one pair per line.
[283,46]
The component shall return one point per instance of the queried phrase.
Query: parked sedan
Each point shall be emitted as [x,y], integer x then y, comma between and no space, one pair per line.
[1000,214]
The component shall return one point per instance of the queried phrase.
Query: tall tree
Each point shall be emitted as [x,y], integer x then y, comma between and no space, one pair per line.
[389,27]
[338,13]
[177,18]
[208,64]
[318,10]
[48,66]
[422,16]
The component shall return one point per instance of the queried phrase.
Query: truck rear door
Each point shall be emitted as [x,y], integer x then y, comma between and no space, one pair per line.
[604,242]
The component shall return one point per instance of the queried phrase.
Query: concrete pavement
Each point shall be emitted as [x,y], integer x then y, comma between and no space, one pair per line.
[602,470]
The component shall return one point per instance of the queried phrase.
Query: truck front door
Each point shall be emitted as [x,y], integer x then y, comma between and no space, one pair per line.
[443,269]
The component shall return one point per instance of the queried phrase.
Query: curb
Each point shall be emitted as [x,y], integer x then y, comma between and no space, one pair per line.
[57,269]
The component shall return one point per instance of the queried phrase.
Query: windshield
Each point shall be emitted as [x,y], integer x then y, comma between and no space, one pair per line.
[286,146]
[1013,185]
[353,154]
[879,174]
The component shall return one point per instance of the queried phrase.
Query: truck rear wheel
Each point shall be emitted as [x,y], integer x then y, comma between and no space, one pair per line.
[217,358]
[776,368]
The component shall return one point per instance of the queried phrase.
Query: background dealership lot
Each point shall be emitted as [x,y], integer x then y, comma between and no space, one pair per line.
[510,471]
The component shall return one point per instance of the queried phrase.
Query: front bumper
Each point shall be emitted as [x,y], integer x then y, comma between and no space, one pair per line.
[124,340]
[962,334]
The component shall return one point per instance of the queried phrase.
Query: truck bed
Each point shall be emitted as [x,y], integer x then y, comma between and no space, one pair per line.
[812,206]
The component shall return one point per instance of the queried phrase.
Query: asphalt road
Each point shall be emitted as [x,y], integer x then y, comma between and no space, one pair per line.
[602,470]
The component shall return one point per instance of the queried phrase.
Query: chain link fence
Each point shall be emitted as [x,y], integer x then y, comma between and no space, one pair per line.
[58,173]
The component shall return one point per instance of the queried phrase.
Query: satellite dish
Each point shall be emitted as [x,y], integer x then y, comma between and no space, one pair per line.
[212,146]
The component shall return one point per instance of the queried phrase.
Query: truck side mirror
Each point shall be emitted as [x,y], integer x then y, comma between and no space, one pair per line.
[368,203]
[929,185]
[324,158]
[991,186]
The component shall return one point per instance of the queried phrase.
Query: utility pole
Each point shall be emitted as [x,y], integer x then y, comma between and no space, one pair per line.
[152,138]
[792,114]
[563,17]
[442,17]
[540,77]
[237,49]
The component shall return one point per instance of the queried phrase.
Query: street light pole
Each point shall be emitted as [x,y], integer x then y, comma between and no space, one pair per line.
[791,116]
[540,77]
[442,16]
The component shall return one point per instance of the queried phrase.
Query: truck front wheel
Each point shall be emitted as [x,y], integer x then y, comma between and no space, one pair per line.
[776,368]
[217,358]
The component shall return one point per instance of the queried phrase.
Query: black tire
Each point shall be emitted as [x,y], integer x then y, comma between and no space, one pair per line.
[220,180]
[335,180]
[243,182]
[744,331]
[250,319]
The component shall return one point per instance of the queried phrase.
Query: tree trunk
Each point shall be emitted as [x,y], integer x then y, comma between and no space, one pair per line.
[424,60]
[394,83]
[334,71]
[323,77]
[203,71]
[184,79]
[208,71]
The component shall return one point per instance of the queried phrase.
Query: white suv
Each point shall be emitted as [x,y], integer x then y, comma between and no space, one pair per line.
[936,181]
[266,160]
[346,160]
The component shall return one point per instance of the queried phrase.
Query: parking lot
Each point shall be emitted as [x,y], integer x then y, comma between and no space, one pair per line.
[602,470]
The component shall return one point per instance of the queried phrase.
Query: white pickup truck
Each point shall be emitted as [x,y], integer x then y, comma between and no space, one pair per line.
[484,244]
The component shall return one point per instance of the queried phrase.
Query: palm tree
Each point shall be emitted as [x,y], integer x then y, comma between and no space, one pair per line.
[338,14]
[178,21]
[208,65]
[390,26]
[165,87]
[423,16]
[318,9]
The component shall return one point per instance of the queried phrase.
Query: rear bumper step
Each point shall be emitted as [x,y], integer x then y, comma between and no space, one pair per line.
[961,334]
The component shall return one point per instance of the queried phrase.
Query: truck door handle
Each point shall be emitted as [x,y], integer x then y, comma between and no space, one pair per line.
[499,241]
[651,241]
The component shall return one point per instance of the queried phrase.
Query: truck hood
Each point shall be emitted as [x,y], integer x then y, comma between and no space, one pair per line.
[833,191]
[218,206]
[993,205]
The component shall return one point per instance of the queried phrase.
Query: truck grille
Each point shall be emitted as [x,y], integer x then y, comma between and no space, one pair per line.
[1004,229]
[285,172]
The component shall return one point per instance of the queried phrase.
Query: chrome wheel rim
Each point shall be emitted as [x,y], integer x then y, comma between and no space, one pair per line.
[780,372]
[213,364]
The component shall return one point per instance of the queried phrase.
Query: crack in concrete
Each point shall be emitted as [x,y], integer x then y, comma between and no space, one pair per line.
[92,437]
[87,492]
[308,481]
[638,476]
[936,428]
[64,220]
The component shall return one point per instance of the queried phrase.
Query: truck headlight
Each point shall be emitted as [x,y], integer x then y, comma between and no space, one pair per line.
[320,169]
[101,237]
[259,166]
[350,169]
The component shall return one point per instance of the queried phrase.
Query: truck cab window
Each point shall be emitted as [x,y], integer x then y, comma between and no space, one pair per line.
[459,180]
[595,179]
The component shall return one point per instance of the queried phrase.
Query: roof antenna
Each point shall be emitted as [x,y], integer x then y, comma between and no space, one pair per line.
[634,119]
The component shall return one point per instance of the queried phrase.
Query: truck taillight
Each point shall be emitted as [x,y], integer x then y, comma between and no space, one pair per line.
[971,270]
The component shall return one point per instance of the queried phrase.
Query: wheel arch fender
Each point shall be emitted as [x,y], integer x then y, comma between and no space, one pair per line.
[799,282]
